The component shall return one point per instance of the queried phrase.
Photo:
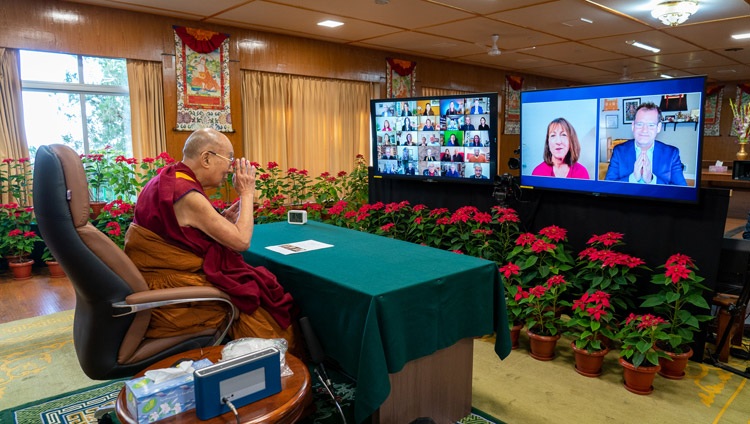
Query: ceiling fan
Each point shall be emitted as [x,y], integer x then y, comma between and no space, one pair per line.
[495,51]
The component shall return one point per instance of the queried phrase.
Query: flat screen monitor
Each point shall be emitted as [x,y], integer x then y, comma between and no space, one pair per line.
[436,138]
[641,139]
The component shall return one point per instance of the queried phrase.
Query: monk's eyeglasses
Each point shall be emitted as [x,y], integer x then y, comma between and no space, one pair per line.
[230,159]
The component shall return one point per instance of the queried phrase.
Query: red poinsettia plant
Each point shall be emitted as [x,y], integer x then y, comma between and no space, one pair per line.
[17,244]
[514,292]
[680,295]
[592,318]
[639,335]
[541,303]
[114,220]
[601,267]
[542,255]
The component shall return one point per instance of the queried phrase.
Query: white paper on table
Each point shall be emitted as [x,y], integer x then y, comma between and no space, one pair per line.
[298,247]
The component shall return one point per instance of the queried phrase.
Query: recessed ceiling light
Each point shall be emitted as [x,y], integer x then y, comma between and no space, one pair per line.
[667,76]
[643,46]
[330,24]
[741,36]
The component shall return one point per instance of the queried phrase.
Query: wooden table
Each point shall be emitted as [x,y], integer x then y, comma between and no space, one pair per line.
[287,406]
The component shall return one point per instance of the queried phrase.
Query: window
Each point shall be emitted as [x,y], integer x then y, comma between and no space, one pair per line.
[80,101]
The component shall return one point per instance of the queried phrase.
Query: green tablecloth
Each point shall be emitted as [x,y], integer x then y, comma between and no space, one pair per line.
[377,303]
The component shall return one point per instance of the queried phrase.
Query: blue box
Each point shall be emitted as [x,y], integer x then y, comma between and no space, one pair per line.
[148,401]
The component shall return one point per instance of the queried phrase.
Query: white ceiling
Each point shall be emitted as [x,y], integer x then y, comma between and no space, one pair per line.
[564,46]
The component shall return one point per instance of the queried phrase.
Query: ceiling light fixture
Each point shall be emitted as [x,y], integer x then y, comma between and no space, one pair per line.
[741,36]
[330,24]
[667,76]
[673,13]
[643,46]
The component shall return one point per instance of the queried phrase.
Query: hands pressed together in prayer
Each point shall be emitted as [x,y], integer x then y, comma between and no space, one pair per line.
[243,181]
[642,168]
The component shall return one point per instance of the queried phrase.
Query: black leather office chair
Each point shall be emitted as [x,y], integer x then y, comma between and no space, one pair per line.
[113,302]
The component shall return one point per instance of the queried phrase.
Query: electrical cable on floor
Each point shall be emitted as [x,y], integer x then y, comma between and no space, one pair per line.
[234,410]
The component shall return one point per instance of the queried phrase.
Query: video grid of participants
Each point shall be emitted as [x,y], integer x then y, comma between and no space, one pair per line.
[434,138]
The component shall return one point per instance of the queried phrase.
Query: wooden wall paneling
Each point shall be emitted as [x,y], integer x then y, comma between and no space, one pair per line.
[99,31]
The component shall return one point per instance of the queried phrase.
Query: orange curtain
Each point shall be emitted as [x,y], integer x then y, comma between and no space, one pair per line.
[148,127]
[315,124]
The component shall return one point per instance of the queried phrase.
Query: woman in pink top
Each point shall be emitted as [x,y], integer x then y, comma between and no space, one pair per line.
[561,152]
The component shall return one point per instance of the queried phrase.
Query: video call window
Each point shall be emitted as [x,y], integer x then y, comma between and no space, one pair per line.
[477,106]
[428,108]
[452,107]
[436,137]
[454,138]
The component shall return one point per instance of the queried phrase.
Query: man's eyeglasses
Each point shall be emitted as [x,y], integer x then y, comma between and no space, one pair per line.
[649,125]
[230,159]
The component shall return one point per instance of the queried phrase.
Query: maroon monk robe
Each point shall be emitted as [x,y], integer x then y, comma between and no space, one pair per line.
[249,287]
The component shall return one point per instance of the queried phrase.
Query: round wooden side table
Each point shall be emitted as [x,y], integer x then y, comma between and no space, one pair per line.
[287,406]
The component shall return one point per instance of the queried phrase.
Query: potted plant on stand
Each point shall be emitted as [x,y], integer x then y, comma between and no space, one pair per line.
[638,356]
[17,246]
[543,323]
[680,292]
[590,323]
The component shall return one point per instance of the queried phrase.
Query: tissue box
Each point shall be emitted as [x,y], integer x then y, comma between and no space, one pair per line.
[715,168]
[148,401]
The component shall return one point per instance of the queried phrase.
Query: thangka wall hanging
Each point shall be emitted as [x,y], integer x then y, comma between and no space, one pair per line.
[202,67]
[401,78]
[743,97]
[712,110]
[513,104]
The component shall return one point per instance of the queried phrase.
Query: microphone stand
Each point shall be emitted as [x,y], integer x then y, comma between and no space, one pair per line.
[317,356]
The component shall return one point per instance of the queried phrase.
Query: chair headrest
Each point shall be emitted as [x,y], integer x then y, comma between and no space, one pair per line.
[75,180]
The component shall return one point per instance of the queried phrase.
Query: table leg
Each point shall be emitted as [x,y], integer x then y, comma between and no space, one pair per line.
[436,386]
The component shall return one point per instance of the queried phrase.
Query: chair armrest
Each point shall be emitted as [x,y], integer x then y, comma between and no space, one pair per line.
[151,299]
[175,293]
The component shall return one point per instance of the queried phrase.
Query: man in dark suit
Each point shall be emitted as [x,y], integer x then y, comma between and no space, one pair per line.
[467,125]
[644,159]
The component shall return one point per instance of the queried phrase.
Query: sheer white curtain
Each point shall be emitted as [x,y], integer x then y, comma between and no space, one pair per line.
[307,123]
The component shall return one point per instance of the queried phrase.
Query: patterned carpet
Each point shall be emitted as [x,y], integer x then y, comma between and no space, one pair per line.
[38,362]
[79,407]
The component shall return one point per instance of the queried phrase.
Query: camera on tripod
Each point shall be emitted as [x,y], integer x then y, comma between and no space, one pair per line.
[506,189]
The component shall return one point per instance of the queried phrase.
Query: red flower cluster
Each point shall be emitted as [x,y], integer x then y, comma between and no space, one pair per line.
[607,239]
[509,270]
[594,304]
[554,233]
[114,229]
[646,320]
[610,258]
[540,246]
[129,161]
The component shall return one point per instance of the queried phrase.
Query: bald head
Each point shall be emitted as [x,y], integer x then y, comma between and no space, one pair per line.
[202,140]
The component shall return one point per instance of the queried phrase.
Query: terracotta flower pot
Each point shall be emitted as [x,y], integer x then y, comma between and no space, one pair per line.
[55,270]
[515,331]
[639,380]
[542,348]
[96,209]
[589,364]
[21,270]
[674,369]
